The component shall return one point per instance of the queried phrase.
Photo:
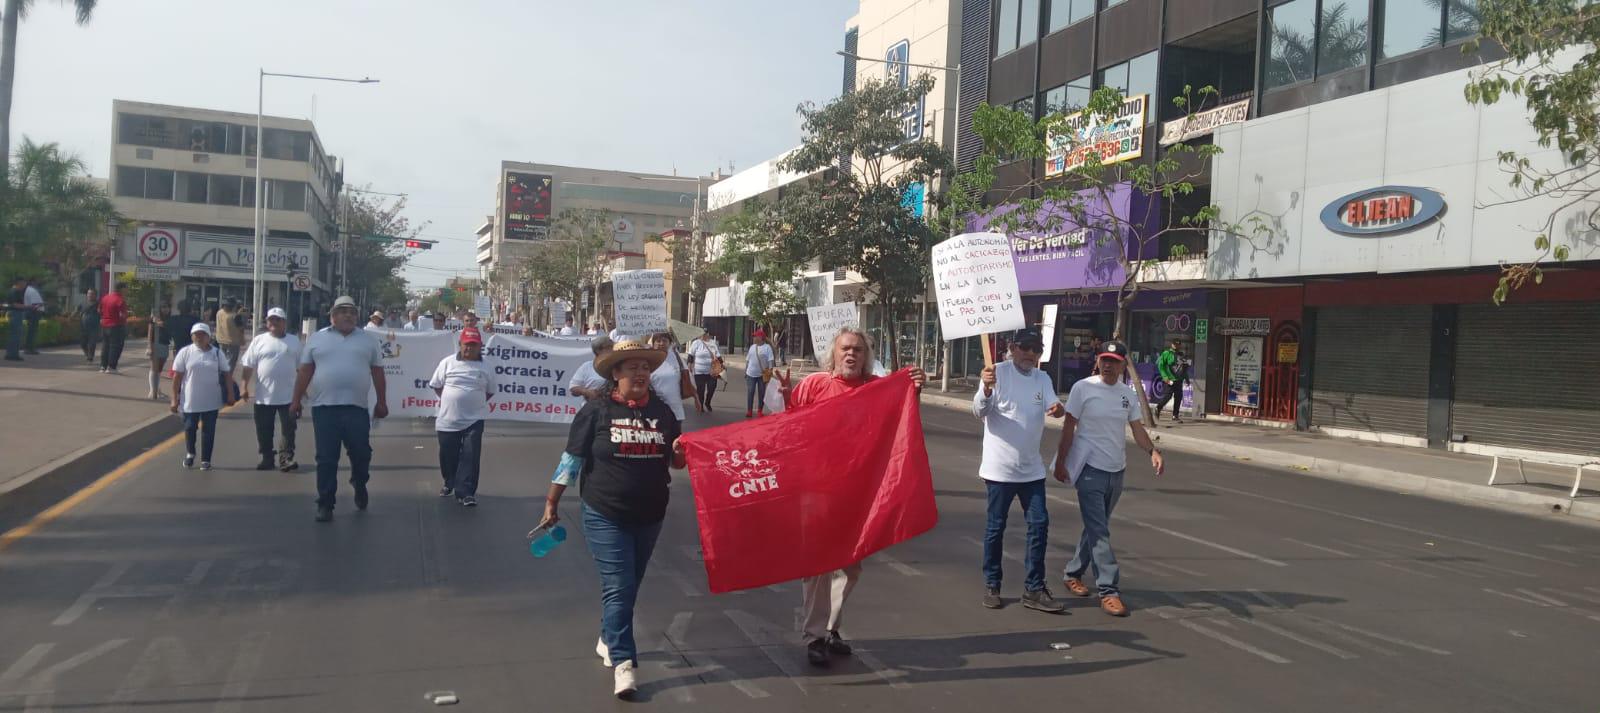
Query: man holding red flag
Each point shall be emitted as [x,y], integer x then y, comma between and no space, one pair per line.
[849,367]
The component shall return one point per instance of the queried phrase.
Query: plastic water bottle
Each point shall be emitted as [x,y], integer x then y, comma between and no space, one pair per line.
[548,541]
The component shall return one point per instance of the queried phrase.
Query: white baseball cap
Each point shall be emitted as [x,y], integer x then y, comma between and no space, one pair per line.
[200,327]
[279,313]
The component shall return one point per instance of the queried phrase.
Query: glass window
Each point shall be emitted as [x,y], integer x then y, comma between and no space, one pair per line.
[1029,33]
[1293,28]
[247,196]
[1463,20]
[130,182]
[1114,3]
[1342,35]
[286,195]
[1067,12]
[1025,106]
[191,187]
[1053,100]
[1410,25]
[1005,32]
[224,190]
[158,184]
[1078,91]
[1142,79]
[1115,76]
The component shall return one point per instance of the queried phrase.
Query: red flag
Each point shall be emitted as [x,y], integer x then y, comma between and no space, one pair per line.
[814,489]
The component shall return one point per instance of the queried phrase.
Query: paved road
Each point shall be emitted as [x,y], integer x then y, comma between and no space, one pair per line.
[1252,591]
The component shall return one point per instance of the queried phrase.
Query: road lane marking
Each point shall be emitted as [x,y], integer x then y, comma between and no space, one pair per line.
[894,677]
[1191,538]
[1371,551]
[1581,597]
[1224,638]
[1393,526]
[1435,552]
[1544,602]
[1509,595]
[106,588]
[1329,550]
[896,565]
[55,511]
[1160,564]
[753,628]
[1535,595]
[1280,631]
[243,672]
[676,630]
[39,692]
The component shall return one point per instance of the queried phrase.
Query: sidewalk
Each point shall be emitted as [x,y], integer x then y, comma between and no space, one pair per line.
[61,412]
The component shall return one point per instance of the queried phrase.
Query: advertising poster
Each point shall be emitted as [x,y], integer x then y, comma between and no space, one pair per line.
[527,206]
[1244,372]
[827,320]
[641,301]
[1114,139]
[975,280]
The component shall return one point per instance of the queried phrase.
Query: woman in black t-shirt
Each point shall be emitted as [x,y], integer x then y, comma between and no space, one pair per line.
[622,444]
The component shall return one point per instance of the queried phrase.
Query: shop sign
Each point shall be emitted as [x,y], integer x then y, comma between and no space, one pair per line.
[1204,123]
[897,71]
[225,256]
[1379,211]
[1244,372]
[1114,139]
[1243,326]
[1202,330]
[1288,352]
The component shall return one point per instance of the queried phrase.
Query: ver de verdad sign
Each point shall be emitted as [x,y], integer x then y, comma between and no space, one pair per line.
[975,280]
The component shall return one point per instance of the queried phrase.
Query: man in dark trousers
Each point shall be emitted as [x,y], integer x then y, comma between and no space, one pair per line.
[1173,370]
[17,310]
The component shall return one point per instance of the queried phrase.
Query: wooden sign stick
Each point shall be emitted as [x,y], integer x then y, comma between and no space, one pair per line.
[988,353]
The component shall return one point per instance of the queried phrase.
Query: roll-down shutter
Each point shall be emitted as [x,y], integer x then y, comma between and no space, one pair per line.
[1528,376]
[1370,369]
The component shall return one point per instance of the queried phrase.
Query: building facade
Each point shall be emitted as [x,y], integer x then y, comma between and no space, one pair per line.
[186,177]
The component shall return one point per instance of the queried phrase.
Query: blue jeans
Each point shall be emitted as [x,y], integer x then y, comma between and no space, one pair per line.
[755,395]
[33,332]
[193,422]
[349,426]
[621,553]
[1098,491]
[1000,497]
[14,332]
[459,453]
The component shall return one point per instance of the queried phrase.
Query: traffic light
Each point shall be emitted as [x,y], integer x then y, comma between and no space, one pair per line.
[419,245]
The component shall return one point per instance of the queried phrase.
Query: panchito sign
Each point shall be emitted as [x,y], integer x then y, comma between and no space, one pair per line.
[1204,122]
[641,297]
[1378,211]
[1114,139]
[975,280]
[827,320]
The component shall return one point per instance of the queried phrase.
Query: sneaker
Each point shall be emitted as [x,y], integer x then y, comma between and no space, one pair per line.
[1041,600]
[1076,586]
[469,501]
[1112,604]
[188,461]
[603,652]
[446,491]
[289,466]
[623,683]
[817,652]
[749,414]
[102,369]
[205,465]
[836,645]
[991,598]
[361,498]
[116,371]
[324,514]
[265,464]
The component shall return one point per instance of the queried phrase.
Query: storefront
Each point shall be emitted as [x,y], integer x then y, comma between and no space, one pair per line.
[208,267]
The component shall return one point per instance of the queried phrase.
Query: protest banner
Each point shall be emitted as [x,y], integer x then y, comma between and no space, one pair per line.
[641,302]
[975,281]
[826,321]
[813,489]
[409,359]
[532,374]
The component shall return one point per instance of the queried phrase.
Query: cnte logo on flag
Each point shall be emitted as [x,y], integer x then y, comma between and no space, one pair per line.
[749,471]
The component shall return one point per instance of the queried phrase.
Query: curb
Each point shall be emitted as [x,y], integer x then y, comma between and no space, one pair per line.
[1583,511]
[36,490]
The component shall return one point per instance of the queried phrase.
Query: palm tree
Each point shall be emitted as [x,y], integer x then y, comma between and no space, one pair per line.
[14,12]
[1463,19]
[51,211]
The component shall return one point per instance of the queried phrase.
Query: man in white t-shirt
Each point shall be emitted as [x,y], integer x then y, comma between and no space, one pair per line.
[1015,399]
[567,330]
[464,385]
[586,382]
[413,323]
[338,366]
[273,359]
[1093,455]
[200,373]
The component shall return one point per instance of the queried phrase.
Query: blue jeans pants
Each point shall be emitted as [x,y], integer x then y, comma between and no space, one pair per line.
[14,333]
[621,553]
[1098,491]
[459,454]
[755,395]
[193,422]
[335,426]
[1033,510]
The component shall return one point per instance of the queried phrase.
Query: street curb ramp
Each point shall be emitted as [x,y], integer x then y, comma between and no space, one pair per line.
[37,490]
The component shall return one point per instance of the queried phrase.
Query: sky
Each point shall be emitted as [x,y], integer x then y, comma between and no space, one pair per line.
[635,85]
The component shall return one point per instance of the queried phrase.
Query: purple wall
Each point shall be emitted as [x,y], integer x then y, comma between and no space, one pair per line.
[1071,258]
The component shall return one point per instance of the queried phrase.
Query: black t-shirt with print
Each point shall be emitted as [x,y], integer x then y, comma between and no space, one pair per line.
[627,454]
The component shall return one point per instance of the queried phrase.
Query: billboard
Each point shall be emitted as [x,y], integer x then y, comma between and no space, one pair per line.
[527,206]
[1117,138]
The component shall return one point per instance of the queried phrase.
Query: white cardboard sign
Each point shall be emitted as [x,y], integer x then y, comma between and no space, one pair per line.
[641,297]
[827,320]
[975,279]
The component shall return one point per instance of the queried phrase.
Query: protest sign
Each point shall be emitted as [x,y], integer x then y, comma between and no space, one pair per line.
[826,321]
[558,314]
[975,280]
[483,307]
[1048,329]
[532,374]
[641,302]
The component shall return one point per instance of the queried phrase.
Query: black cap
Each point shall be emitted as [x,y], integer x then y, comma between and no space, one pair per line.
[1028,339]
[1114,349]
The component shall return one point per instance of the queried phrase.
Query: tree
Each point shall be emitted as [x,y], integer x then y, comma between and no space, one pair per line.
[760,247]
[692,264]
[373,268]
[858,219]
[572,259]
[1550,64]
[51,214]
[15,11]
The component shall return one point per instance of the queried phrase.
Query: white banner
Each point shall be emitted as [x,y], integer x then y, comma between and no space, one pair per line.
[483,307]
[826,321]
[532,373]
[1048,329]
[641,297]
[975,279]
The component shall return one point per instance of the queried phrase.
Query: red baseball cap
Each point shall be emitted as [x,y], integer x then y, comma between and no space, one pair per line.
[761,333]
[470,335]
[1114,349]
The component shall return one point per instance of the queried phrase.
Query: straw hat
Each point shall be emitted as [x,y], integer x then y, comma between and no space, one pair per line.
[624,351]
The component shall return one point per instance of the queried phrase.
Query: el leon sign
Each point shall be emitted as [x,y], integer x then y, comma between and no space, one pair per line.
[1377,211]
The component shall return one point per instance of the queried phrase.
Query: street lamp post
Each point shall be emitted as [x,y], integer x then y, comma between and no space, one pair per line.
[694,234]
[113,228]
[258,259]
[955,142]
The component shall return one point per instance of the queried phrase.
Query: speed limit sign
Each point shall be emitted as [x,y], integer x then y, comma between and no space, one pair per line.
[157,246]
